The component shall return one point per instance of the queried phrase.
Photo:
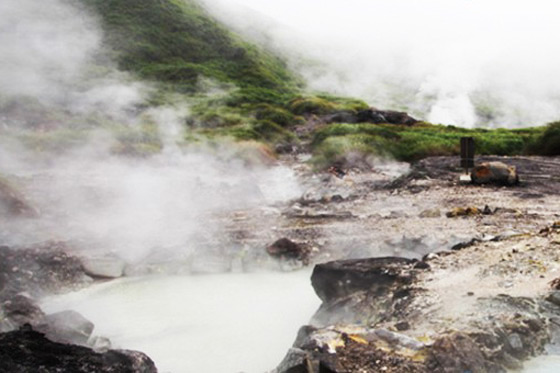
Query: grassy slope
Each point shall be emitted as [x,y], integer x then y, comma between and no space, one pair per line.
[334,142]
[175,42]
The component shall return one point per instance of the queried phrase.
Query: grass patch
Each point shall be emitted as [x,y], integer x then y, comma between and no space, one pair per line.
[324,104]
[340,141]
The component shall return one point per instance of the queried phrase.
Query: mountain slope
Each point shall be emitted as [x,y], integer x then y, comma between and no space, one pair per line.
[177,41]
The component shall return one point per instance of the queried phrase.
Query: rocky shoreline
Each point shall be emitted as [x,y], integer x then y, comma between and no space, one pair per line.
[484,305]
[32,341]
[459,277]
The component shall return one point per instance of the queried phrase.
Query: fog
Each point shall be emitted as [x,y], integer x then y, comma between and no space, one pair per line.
[468,63]
[86,192]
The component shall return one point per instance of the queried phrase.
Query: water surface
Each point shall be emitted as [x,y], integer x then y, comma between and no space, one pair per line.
[205,323]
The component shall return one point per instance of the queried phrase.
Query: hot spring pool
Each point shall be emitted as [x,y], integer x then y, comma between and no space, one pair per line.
[205,323]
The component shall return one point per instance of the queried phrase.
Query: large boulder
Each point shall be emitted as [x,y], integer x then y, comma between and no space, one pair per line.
[26,350]
[363,291]
[338,279]
[494,173]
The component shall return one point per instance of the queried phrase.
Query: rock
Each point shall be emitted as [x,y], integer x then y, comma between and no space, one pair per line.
[457,353]
[515,342]
[373,115]
[338,279]
[295,361]
[463,211]
[67,327]
[399,340]
[554,297]
[21,310]
[495,173]
[287,249]
[26,350]
[100,344]
[13,203]
[401,326]
[40,269]
[430,213]
[107,267]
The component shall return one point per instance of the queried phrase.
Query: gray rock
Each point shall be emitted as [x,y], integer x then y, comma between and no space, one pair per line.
[67,327]
[554,298]
[398,339]
[108,267]
[100,344]
[515,342]
[296,360]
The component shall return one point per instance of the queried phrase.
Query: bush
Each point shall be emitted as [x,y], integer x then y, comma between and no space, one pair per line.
[549,142]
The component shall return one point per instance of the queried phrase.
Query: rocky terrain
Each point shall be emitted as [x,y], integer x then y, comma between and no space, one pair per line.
[417,271]
[481,305]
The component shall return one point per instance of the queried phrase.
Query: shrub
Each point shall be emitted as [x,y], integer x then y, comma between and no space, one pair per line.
[549,142]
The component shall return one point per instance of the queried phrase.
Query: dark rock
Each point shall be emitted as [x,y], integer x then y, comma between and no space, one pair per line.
[295,361]
[338,279]
[337,171]
[38,269]
[285,248]
[464,245]
[421,265]
[554,297]
[337,198]
[457,353]
[25,351]
[494,173]
[401,326]
[385,116]
[371,115]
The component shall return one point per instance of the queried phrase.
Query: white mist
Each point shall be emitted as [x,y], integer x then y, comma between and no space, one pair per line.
[468,63]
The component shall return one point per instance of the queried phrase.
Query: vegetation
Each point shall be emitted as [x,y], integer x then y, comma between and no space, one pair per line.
[340,141]
[176,42]
[549,142]
[237,90]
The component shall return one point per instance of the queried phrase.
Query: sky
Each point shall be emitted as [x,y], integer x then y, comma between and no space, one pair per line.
[491,63]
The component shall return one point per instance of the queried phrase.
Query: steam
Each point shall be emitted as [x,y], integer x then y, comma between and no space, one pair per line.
[468,63]
[51,53]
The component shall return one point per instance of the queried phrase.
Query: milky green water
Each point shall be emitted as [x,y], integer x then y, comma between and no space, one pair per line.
[207,323]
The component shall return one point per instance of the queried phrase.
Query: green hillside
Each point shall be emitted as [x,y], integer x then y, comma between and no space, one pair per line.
[176,42]
[181,50]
